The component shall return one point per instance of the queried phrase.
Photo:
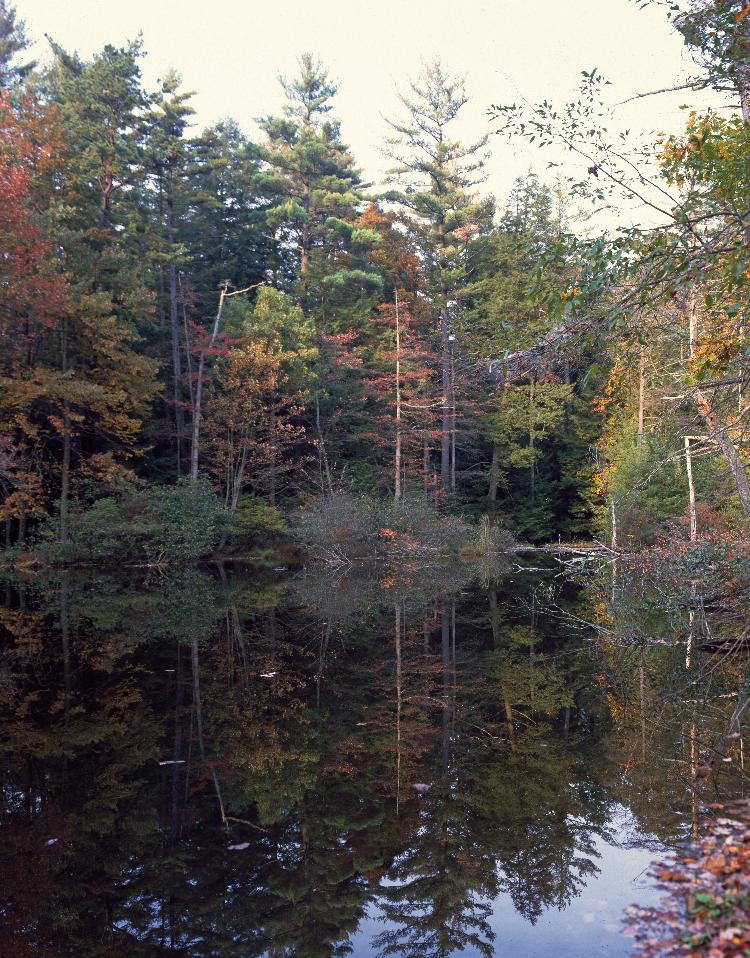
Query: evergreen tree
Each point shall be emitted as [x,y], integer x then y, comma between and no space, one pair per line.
[166,159]
[437,175]
[13,40]
[102,106]
[313,190]
[107,383]
[224,222]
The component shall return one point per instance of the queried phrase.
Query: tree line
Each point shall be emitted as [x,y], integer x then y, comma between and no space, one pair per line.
[255,319]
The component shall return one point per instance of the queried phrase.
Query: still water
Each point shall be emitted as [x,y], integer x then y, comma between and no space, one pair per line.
[220,762]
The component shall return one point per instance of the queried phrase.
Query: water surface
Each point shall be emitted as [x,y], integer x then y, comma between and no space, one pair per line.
[217,762]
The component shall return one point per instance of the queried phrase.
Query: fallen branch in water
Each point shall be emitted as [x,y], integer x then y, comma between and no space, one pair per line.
[244,821]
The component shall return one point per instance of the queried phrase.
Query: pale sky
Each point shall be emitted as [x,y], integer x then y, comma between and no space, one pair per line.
[231,51]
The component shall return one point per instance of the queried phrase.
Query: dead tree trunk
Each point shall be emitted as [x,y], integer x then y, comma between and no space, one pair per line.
[174,326]
[691,491]
[195,442]
[199,386]
[718,433]
[397,456]
[445,427]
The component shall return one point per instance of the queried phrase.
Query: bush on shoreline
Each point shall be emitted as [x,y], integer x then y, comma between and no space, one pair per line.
[188,521]
[179,523]
[348,528]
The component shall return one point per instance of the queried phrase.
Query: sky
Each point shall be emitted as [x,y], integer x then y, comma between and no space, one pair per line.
[230,52]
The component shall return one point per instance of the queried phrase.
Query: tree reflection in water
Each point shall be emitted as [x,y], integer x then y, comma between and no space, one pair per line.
[218,763]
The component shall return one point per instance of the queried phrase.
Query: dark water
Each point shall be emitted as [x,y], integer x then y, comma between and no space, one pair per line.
[223,763]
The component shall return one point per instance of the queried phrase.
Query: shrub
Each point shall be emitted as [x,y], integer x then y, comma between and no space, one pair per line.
[164,523]
[256,519]
[489,538]
[338,527]
[189,520]
[346,527]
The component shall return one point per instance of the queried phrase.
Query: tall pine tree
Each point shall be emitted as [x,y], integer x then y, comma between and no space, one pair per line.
[436,176]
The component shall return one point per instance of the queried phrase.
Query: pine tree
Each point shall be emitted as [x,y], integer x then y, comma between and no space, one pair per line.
[102,105]
[106,383]
[314,194]
[13,40]
[224,222]
[436,176]
[313,187]
[166,159]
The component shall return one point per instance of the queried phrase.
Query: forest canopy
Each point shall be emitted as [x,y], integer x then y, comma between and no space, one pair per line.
[199,327]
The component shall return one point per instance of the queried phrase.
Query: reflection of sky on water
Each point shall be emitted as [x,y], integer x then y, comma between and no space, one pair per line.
[472,768]
[591,925]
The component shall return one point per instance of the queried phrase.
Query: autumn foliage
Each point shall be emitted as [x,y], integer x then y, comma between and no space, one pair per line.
[704,911]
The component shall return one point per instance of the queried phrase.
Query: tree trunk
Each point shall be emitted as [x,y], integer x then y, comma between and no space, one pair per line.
[745,98]
[532,443]
[641,395]
[445,430]
[397,611]
[274,461]
[67,675]
[718,433]
[325,468]
[445,636]
[507,704]
[305,241]
[177,753]
[65,483]
[612,523]
[739,385]
[65,636]
[691,490]
[65,477]
[743,72]
[397,456]
[305,250]
[237,482]
[453,416]
[494,473]
[105,195]
[174,325]
[186,332]
[194,446]
[199,725]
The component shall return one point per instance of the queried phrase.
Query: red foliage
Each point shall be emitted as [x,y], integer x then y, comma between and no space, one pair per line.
[32,291]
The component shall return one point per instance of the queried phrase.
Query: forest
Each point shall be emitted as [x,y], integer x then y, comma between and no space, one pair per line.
[374,550]
[204,337]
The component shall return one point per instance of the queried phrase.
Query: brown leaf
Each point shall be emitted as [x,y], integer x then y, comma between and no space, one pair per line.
[669,874]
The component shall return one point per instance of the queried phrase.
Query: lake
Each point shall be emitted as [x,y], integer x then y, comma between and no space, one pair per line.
[222,761]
